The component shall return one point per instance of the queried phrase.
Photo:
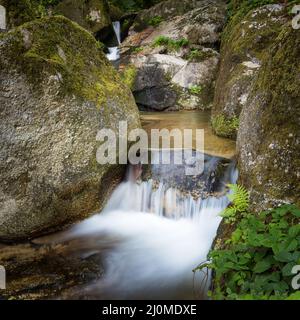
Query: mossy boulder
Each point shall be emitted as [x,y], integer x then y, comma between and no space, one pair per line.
[269,134]
[115,12]
[92,15]
[58,90]
[22,11]
[244,44]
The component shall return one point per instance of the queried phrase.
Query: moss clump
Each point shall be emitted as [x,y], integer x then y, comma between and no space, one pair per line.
[225,127]
[58,47]
[129,75]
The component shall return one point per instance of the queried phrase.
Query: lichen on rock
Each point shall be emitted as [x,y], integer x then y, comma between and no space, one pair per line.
[244,44]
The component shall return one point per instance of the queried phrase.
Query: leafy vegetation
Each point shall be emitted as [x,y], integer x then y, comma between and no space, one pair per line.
[155,21]
[171,44]
[195,89]
[199,55]
[257,259]
[137,49]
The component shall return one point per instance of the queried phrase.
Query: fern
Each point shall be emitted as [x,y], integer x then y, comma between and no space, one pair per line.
[239,198]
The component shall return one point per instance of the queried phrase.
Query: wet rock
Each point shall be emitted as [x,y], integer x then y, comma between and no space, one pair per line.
[58,90]
[46,271]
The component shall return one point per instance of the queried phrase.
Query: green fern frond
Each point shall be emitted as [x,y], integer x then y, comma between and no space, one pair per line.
[239,198]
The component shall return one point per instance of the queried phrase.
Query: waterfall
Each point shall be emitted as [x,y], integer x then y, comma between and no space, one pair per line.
[117,30]
[159,234]
[114,52]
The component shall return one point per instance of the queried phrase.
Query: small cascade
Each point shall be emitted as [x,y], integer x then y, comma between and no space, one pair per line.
[159,234]
[117,29]
[114,52]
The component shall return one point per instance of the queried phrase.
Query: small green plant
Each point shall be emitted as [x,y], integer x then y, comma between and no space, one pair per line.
[171,44]
[239,198]
[196,90]
[155,21]
[225,127]
[137,49]
[200,55]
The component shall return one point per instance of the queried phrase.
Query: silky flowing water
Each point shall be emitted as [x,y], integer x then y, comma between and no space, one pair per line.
[154,235]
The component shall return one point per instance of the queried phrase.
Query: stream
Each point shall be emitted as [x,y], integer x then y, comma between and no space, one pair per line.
[155,229]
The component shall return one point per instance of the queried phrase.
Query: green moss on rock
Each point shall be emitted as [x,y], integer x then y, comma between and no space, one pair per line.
[59,46]
[269,134]
[22,11]
[226,128]
[245,43]
[128,76]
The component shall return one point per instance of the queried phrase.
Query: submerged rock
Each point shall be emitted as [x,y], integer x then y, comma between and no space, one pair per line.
[58,90]
[173,47]
[244,45]
[269,133]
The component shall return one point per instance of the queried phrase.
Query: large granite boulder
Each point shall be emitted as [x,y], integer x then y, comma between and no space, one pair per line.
[269,134]
[244,44]
[173,47]
[57,91]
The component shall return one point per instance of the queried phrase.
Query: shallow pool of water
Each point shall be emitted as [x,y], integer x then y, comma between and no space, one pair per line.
[213,145]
